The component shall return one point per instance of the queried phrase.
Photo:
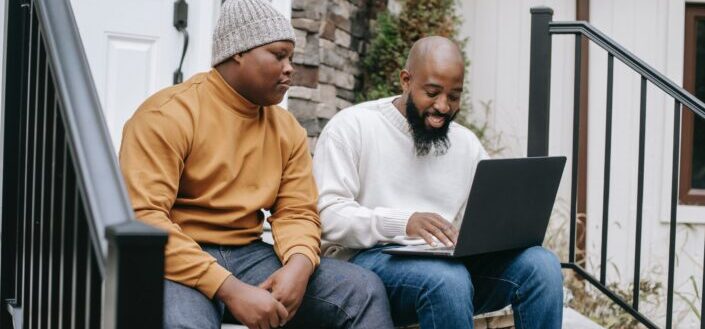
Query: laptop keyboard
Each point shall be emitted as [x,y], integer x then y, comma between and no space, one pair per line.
[441,248]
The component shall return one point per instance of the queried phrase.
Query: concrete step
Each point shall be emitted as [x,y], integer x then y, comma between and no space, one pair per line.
[503,319]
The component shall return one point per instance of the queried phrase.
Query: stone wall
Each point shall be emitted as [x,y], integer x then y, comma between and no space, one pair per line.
[331,36]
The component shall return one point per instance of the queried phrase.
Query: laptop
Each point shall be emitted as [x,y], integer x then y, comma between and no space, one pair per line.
[508,208]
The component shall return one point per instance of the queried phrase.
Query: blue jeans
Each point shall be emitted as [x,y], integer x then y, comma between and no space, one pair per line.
[446,293]
[339,294]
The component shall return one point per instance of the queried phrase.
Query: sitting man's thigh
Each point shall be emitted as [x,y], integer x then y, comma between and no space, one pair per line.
[422,272]
[338,295]
[422,286]
[343,295]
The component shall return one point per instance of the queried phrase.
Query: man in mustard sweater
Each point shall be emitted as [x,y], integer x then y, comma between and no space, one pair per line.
[203,158]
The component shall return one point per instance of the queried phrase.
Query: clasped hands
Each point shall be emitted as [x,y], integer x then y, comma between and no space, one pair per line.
[274,302]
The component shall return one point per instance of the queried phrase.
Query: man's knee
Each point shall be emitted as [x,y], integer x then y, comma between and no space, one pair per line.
[543,269]
[364,286]
[350,287]
[543,261]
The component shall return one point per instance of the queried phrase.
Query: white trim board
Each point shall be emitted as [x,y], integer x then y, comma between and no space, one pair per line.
[689,215]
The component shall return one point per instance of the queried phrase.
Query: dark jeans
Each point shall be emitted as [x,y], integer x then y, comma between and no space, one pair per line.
[339,294]
[446,293]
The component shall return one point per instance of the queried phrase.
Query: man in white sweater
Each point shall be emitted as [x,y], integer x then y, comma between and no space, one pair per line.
[398,171]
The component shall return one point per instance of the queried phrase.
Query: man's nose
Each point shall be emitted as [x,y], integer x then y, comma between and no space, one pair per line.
[288,68]
[441,104]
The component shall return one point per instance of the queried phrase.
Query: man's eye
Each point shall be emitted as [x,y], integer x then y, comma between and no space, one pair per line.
[431,94]
[454,98]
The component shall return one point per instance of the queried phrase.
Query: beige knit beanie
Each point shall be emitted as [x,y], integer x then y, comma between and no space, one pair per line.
[246,24]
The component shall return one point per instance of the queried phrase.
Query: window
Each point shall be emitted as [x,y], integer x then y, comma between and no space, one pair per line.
[692,179]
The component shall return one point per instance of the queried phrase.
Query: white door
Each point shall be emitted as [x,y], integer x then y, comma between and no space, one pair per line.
[133,49]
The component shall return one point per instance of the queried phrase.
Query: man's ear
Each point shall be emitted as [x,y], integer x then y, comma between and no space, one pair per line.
[404,80]
[238,58]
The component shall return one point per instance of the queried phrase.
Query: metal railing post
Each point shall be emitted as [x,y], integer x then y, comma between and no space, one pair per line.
[134,281]
[16,21]
[539,81]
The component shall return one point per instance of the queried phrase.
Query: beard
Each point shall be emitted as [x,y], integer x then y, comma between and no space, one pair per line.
[427,139]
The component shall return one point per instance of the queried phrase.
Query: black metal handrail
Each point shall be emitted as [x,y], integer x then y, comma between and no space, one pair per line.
[542,29]
[629,59]
[67,224]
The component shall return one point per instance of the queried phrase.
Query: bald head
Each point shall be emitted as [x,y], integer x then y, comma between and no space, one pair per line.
[433,51]
[432,84]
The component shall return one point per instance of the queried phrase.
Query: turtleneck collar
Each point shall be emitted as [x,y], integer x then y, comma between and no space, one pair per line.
[236,102]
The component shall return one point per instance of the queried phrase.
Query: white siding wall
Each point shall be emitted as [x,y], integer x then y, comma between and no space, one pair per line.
[498,49]
[499,33]
[653,30]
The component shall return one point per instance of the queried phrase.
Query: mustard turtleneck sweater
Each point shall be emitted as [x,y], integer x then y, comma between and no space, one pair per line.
[200,161]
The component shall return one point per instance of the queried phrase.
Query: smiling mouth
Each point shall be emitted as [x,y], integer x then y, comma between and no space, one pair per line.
[435,121]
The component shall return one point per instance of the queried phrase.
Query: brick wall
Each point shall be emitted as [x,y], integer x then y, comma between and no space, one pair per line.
[331,38]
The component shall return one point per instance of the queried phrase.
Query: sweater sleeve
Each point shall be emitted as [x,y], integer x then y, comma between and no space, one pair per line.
[296,226]
[154,146]
[344,220]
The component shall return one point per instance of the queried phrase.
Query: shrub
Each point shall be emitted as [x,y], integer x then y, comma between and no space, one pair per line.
[392,39]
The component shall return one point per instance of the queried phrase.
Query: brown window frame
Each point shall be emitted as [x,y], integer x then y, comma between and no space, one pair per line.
[688,194]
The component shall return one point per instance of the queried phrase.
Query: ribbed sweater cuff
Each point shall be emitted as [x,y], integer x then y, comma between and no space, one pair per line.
[392,222]
[312,256]
[212,279]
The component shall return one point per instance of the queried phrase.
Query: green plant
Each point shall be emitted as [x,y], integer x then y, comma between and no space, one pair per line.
[598,307]
[687,292]
[691,298]
[583,297]
[395,34]
[385,57]
[557,239]
[392,39]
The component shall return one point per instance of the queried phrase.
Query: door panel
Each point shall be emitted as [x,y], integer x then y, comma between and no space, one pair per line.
[131,72]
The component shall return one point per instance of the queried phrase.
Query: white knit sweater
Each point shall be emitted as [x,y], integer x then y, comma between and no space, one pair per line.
[371,181]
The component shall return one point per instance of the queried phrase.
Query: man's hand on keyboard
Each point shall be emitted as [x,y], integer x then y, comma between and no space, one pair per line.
[432,228]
